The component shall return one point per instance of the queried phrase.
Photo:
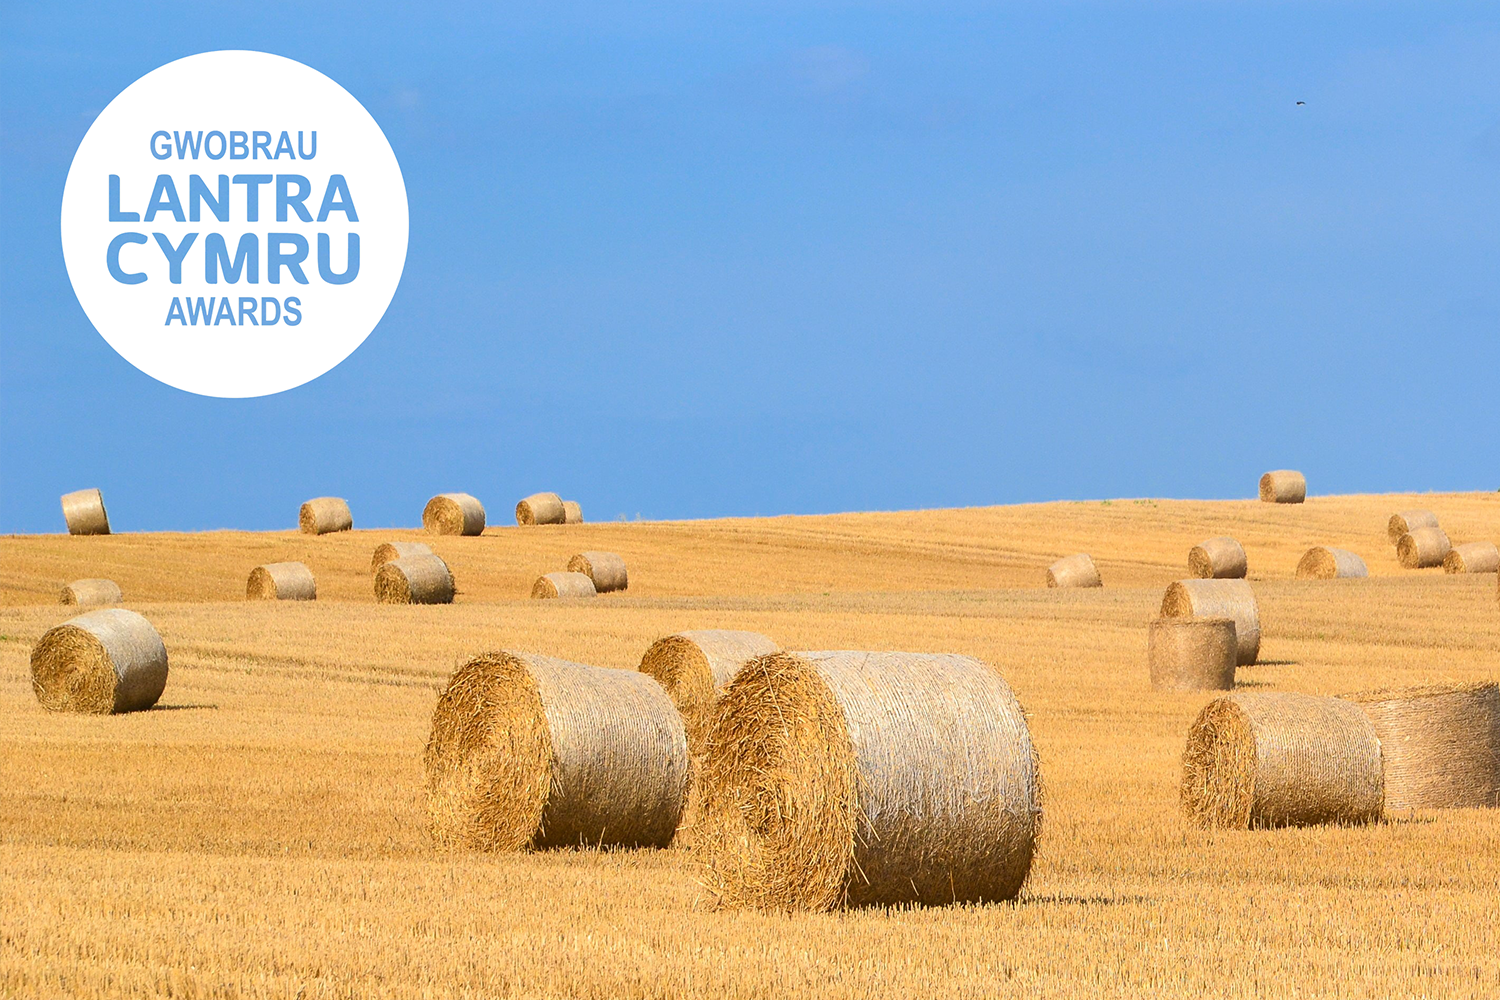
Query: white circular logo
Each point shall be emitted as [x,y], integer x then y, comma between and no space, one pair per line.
[234,223]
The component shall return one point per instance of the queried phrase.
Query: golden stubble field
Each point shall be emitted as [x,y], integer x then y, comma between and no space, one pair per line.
[261,833]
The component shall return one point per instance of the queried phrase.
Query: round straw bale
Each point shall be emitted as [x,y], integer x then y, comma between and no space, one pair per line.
[1441,744]
[453,514]
[1324,562]
[386,551]
[1283,486]
[606,569]
[541,508]
[321,515]
[283,581]
[84,512]
[100,662]
[868,778]
[1423,548]
[1281,759]
[414,580]
[572,512]
[86,593]
[1472,557]
[1074,571]
[563,585]
[1218,599]
[1407,521]
[1220,558]
[529,751]
[1192,654]
[695,667]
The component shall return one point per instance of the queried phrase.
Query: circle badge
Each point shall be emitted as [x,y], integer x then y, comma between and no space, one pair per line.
[234,224]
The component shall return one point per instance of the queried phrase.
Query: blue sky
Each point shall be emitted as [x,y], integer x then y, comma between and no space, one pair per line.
[769,258]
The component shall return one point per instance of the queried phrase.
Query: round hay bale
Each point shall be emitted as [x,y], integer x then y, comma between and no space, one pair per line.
[1283,486]
[321,515]
[541,508]
[563,585]
[1281,759]
[1472,557]
[1192,654]
[91,593]
[1220,558]
[98,663]
[453,514]
[283,581]
[1408,521]
[386,551]
[1440,744]
[849,778]
[84,512]
[572,512]
[695,666]
[529,751]
[1323,562]
[1423,548]
[1074,571]
[606,569]
[1218,599]
[414,580]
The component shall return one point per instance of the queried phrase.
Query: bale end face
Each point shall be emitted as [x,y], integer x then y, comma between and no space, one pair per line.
[99,663]
[323,515]
[1218,768]
[1283,486]
[1192,654]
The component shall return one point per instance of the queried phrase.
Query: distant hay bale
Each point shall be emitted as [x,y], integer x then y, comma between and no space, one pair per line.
[695,666]
[1440,744]
[1281,759]
[1408,521]
[99,663]
[414,580]
[1220,558]
[84,512]
[453,514]
[322,515]
[1218,599]
[91,593]
[1074,571]
[541,508]
[551,585]
[1283,486]
[387,551]
[1324,562]
[1472,557]
[283,581]
[606,569]
[572,512]
[1192,654]
[847,778]
[529,751]
[1423,548]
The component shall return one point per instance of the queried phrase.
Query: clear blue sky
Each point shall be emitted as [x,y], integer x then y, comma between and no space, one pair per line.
[790,257]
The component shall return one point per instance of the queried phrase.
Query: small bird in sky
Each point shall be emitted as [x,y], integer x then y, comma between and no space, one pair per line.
[1301,103]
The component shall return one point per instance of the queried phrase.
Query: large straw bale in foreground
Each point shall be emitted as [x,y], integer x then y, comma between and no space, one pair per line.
[322,515]
[84,512]
[1281,759]
[91,593]
[529,751]
[1423,548]
[697,665]
[1472,557]
[552,585]
[1231,599]
[414,580]
[541,508]
[1324,562]
[387,551]
[1441,744]
[1407,521]
[283,581]
[868,778]
[606,569]
[100,662]
[1283,486]
[1220,558]
[1074,571]
[572,512]
[1192,654]
[453,514]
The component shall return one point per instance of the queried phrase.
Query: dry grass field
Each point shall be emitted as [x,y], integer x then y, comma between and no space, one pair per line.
[261,832]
